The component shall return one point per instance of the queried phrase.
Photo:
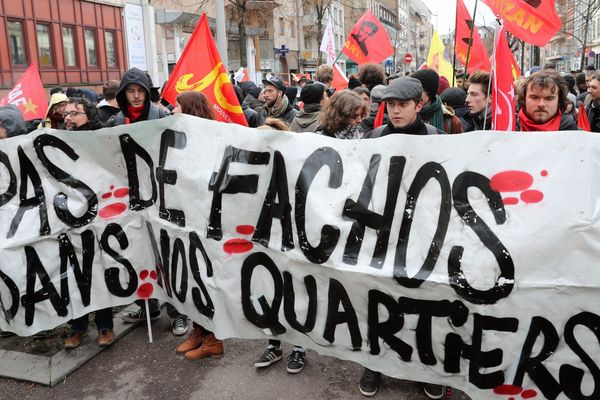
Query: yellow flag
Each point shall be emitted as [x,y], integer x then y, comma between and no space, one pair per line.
[436,60]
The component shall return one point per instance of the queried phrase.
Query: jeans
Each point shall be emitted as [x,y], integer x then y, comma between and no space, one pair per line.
[103,319]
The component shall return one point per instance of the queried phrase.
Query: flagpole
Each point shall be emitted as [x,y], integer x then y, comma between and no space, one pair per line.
[454,49]
[470,37]
[492,75]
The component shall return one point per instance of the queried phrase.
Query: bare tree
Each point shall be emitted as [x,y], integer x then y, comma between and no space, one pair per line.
[318,8]
[577,22]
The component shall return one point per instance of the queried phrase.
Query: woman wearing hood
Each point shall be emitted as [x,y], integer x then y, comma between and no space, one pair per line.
[56,108]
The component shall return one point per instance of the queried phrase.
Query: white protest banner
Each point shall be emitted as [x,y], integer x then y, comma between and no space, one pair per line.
[469,260]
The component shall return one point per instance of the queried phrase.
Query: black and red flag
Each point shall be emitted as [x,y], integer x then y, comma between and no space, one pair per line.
[368,42]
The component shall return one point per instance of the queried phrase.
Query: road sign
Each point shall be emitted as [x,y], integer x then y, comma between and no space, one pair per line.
[408,58]
[282,50]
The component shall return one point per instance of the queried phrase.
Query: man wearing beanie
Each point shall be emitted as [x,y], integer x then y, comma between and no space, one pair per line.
[455,98]
[368,123]
[434,112]
[314,97]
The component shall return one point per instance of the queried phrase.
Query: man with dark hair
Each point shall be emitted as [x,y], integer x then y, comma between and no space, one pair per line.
[366,30]
[276,102]
[542,100]
[81,115]
[371,75]
[109,106]
[478,102]
[593,108]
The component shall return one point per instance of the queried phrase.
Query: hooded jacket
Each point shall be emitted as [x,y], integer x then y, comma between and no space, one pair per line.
[150,111]
[307,120]
[11,119]
[54,99]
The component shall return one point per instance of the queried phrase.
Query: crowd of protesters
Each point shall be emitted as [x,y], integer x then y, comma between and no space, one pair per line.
[372,106]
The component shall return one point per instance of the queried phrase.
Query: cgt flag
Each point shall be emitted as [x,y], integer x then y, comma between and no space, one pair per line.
[534,21]
[503,93]
[28,94]
[200,68]
[368,42]
[478,57]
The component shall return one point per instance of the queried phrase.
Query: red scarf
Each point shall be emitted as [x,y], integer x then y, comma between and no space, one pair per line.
[527,125]
[134,112]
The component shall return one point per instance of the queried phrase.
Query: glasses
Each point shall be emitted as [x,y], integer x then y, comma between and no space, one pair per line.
[72,114]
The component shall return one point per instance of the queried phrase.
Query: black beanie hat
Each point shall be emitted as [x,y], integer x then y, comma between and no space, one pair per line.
[454,97]
[430,80]
[312,93]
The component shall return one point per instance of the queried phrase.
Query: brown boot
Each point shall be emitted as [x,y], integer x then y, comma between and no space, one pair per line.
[211,347]
[193,341]
[105,337]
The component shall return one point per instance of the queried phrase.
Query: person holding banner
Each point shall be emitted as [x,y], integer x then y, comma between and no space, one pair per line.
[11,122]
[82,115]
[314,97]
[593,108]
[54,116]
[201,343]
[542,103]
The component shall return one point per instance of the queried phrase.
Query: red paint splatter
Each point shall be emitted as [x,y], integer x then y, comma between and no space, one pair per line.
[510,201]
[244,229]
[112,210]
[532,196]
[237,246]
[144,274]
[508,389]
[544,173]
[112,187]
[107,195]
[153,275]
[528,394]
[511,181]
[122,192]
[145,291]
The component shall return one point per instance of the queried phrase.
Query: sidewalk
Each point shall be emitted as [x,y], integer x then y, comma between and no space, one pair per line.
[132,368]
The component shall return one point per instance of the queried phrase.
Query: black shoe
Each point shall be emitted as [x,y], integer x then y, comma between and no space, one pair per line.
[369,382]
[295,362]
[139,316]
[270,356]
[434,391]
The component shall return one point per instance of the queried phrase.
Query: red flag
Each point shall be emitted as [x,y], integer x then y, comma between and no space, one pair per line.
[28,94]
[582,119]
[380,114]
[534,21]
[478,58]
[340,82]
[200,68]
[368,42]
[503,93]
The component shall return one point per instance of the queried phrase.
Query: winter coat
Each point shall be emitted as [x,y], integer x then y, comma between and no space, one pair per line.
[307,120]
[150,112]
[11,119]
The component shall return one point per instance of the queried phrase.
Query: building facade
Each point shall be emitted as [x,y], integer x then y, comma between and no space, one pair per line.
[73,42]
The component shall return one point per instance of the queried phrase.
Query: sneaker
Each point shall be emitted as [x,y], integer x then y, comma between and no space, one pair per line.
[295,362]
[180,325]
[369,382]
[74,339]
[105,337]
[434,391]
[270,356]
[139,316]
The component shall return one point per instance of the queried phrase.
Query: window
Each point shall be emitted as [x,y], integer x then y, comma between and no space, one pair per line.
[90,47]
[44,45]
[293,29]
[170,32]
[111,54]
[281,27]
[68,39]
[16,42]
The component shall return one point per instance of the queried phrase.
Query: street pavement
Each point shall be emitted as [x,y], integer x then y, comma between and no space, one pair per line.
[132,368]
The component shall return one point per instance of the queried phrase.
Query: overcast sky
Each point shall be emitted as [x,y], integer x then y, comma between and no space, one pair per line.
[446,13]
